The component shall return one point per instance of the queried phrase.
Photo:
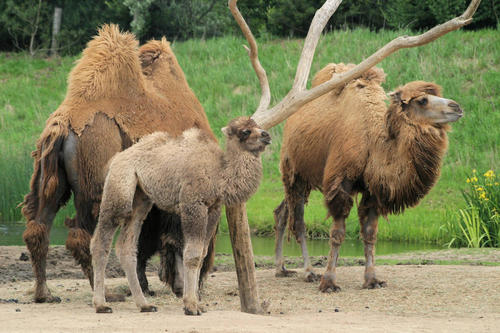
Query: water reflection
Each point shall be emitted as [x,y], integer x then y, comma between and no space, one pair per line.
[11,234]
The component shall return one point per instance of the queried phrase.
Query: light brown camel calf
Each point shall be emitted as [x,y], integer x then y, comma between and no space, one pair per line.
[348,141]
[189,176]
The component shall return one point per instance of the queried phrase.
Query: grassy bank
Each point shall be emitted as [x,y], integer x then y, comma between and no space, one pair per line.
[466,64]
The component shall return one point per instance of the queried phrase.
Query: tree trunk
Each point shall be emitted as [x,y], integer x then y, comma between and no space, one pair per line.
[239,232]
[34,29]
[56,26]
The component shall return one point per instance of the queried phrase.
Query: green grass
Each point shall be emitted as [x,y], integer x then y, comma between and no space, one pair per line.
[465,63]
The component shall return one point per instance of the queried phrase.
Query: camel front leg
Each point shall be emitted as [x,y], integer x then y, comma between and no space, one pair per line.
[329,279]
[368,218]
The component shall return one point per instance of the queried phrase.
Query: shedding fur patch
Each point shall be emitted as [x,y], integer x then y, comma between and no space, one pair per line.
[374,74]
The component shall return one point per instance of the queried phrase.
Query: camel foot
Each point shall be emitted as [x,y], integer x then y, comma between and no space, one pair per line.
[312,277]
[47,299]
[103,309]
[327,286]
[285,273]
[149,308]
[115,298]
[374,284]
[192,309]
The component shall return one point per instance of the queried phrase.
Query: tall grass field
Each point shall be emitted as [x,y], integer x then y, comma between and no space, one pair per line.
[466,64]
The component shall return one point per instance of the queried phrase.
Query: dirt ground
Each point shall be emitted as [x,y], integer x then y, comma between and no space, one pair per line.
[418,298]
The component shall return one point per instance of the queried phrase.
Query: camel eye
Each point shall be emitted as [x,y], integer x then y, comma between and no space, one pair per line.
[423,101]
[244,134]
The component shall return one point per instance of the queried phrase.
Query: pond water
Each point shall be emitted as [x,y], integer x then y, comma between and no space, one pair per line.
[11,234]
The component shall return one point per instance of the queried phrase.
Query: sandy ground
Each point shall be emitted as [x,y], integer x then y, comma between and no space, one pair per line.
[418,298]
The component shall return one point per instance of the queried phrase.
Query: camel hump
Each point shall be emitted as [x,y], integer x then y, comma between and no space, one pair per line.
[153,50]
[109,67]
[374,74]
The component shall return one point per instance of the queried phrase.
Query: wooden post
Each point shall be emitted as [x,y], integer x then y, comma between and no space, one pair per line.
[56,27]
[239,232]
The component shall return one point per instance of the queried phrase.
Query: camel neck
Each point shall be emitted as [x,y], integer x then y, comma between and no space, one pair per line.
[241,174]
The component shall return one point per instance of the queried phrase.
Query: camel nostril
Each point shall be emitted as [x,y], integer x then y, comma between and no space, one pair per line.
[265,134]
[454,106]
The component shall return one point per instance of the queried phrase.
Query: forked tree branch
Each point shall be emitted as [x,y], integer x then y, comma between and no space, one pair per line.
[253,53]
[298,95]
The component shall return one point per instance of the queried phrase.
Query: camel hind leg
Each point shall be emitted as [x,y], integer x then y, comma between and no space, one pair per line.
[126,248]
[100,247]
[297,191]
[49,191]
[281,219]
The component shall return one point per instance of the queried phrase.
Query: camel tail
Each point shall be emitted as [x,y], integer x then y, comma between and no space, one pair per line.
[45,178]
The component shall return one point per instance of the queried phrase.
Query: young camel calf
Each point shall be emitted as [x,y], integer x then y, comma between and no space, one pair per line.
[190,176]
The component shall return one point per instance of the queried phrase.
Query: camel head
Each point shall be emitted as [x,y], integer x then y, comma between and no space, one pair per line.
[247,134]
[422,102]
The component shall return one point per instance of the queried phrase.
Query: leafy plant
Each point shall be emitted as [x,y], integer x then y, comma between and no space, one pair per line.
[478,225]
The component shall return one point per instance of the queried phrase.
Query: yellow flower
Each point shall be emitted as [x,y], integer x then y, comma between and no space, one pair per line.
[474,170]
[479,189]
[474,179]
[483,196]
[497,183]
[468,180]
[489,174]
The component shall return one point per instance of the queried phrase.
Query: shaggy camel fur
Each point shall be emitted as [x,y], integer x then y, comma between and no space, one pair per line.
[190,176]
[111,102]
[348,141]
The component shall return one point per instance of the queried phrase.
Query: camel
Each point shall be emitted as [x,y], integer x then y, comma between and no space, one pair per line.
[347,142]
[111,102]
[189,176]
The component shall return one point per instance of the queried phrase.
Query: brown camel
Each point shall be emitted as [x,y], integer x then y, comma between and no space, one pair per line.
[111,102]
[348,141]
[189,176]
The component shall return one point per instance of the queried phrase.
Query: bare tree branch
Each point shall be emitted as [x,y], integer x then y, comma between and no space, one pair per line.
[298,95]
[253,53]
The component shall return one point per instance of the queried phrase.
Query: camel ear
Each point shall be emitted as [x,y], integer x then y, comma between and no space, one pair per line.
[395,96]
[225,130]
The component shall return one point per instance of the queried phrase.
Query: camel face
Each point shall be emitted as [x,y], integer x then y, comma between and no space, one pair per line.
[254,139]
[434,109]
[248,134]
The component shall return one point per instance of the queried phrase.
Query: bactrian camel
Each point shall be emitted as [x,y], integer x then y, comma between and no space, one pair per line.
[189,176]
[39,215]
[111,102]
[347,142]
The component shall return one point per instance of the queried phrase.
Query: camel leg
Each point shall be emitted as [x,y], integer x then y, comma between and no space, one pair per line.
[339,207]
[368,218]
[296,195]
[281,219]
[194,222]
[126,249]
[100,247]
[36,235]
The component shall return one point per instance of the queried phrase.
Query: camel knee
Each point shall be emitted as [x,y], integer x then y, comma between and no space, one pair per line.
[337,236]
[36,238]
[193,256]
[369,233]
[340,206]
[280,214]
